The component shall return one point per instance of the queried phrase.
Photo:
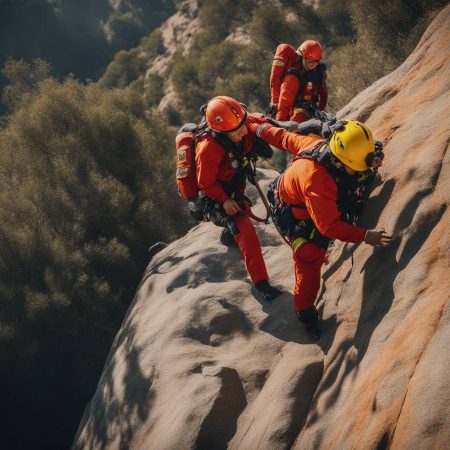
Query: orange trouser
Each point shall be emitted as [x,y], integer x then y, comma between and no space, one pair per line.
[248,243]
[308,260]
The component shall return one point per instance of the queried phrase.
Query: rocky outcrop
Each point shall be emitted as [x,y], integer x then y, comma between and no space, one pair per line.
[201,362]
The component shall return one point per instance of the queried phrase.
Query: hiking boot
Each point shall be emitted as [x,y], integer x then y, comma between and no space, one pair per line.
[269,292]
[310,320]
[226,238]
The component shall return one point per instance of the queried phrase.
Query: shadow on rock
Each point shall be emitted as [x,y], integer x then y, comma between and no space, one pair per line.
[113,415]
[382,268]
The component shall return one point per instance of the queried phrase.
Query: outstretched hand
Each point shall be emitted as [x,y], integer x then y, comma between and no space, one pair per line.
[328,129]
[378,238]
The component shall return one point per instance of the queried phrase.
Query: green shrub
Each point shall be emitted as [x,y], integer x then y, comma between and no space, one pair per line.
[126,67]
[83,192]
[154,89]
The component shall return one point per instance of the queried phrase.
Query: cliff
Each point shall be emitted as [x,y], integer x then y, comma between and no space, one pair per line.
[202,363]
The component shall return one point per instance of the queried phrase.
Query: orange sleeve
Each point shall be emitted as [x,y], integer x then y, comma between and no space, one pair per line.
[284,140]
[208,157]
[276,77]
[280,60]
[320,193]
[288,93]
[323,93]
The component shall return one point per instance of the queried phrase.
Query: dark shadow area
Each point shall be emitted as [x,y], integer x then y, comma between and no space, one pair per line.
[220,425]
[229,321]
[376,204]
[112,412]
[211,268]
[331,384]
[282,322]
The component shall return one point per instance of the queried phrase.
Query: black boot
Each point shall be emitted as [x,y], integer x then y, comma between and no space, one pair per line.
[226,238]
[310,320]
[269,292]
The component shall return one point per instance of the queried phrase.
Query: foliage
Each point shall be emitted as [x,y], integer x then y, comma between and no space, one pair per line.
[386,33]
[270,27]
[154,89]
[22,78]
[83,193]
[126,67]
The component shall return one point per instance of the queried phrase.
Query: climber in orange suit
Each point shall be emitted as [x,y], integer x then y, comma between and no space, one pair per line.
[297,82]
[221,161]
[309,185]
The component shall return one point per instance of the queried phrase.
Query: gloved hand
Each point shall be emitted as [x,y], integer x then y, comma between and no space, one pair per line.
[310,126]
[288,125]
[324,116]
[328,129]
[271,110]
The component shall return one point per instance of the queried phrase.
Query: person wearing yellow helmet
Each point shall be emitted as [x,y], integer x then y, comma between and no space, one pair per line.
[309,190]
[352,144]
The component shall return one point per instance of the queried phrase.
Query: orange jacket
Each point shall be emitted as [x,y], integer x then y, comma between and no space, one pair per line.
[285,58]
[213,164]
[289,91]
[309,183]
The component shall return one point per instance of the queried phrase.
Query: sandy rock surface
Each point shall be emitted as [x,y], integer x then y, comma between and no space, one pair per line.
[201,362]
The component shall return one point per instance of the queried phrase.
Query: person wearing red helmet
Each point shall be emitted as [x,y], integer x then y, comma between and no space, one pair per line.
[221,157]
[297,82]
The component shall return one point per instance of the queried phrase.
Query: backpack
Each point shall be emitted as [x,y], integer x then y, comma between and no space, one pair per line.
[185,164]
[186,175]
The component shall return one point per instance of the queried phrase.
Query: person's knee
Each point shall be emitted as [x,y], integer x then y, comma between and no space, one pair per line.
[310,253]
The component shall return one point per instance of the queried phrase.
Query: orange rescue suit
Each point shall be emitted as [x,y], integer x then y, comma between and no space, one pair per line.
[285,58]
[288,77]
[214,165]
[309,183]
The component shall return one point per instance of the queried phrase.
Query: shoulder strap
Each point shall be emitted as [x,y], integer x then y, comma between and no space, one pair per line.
[312,153]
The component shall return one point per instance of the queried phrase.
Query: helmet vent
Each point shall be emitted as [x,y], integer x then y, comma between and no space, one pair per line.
[365,131]
[341,145]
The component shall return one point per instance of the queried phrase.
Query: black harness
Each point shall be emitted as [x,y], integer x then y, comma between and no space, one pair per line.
[350,199]
[315,77]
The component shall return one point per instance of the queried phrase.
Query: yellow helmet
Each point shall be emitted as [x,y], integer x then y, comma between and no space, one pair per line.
[352,144]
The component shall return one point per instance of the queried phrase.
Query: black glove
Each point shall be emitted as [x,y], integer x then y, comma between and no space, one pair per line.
[324,116]
[310,126]
[328,129]
[271,110]
[288,125]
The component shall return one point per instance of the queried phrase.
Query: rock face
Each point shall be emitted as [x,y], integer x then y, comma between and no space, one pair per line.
[202,363]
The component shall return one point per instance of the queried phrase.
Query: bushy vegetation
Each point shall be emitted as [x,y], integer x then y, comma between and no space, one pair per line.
[386,33]
[362,42]
[83,193]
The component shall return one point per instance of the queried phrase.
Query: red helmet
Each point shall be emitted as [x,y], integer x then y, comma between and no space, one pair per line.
[225,114]
[311,50]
